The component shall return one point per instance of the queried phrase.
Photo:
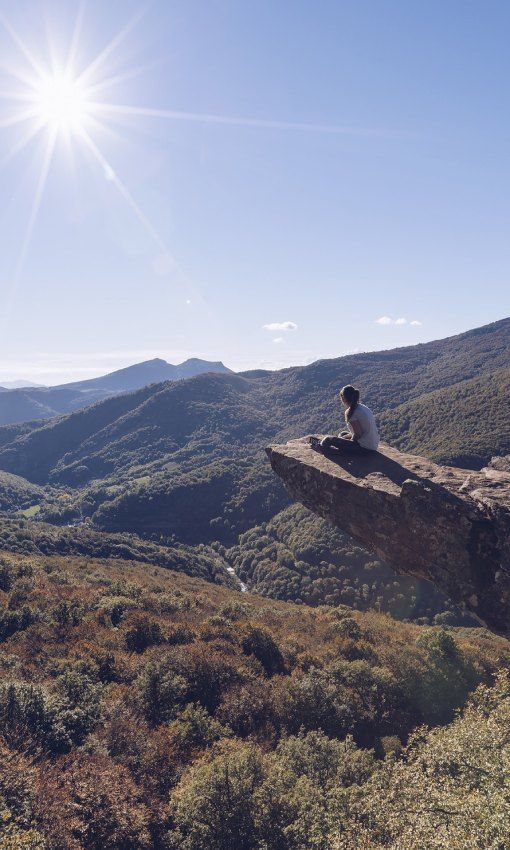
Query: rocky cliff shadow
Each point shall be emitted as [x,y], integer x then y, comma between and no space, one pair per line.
[360,466]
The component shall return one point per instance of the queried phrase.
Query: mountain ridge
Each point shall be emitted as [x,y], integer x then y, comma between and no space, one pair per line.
[183,461]
[38,402]
[166,433]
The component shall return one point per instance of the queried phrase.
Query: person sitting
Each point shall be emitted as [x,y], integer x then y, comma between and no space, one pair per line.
[362,435]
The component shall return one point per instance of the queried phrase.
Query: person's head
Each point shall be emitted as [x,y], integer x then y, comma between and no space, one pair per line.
[350,398]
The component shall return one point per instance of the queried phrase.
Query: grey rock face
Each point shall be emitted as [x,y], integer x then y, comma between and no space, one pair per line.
[449,525]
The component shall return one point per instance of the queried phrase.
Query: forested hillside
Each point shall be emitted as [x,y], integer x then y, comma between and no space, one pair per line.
[36,402]
[298,556]
[17,493]
[37,538]
[184,461]
[142,708]
[460,424]
[147,704]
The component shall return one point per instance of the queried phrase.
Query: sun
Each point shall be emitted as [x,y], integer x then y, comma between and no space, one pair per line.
[60,102]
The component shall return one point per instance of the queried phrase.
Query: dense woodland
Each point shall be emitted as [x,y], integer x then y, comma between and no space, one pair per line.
[25,537]
[183,463]
[298,556]
[141,708]
[147,704]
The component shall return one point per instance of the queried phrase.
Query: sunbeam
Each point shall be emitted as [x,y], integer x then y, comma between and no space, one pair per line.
[63,102]
[36,203]
[41,183]
[120,78]
[12,120]
[24,97]
[119,185]
[31,133]
[91,69]
[73,47]
[205,118]
[21,45]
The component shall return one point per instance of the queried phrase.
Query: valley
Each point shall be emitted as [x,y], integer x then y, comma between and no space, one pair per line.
[178,638]
[140,699]
[183,462]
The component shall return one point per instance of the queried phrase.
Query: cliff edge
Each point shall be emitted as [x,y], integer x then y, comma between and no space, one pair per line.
[442,523]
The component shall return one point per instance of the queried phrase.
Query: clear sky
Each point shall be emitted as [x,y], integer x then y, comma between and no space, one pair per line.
[330,164]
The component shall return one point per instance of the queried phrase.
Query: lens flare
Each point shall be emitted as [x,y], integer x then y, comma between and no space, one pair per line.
[56,99]
[60,102]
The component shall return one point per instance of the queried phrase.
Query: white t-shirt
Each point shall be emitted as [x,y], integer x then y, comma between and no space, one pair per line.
[366,420]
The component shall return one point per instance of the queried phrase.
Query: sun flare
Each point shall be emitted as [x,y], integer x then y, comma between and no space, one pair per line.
[53,102]
[60,102]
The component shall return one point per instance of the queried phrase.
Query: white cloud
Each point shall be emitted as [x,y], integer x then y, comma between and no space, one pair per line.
[280,326]
[278,339]
[387,320]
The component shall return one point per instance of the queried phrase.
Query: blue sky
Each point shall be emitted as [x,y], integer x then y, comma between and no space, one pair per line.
[362,172]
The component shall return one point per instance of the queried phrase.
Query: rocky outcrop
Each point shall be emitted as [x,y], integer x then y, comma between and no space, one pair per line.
[449,525]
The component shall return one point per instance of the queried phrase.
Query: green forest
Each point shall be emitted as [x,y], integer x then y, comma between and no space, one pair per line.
[183,463]
[147,703]
[144,708]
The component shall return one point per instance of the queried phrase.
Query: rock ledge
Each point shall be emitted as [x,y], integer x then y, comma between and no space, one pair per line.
[449,525]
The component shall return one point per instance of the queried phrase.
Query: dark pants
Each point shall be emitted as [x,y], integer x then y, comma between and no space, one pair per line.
[351,447]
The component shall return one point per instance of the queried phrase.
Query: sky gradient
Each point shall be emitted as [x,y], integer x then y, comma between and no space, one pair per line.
[341,163]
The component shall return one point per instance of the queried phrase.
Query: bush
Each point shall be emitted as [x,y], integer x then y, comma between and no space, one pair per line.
[96,803]
[161,692]
[262,645]
[315,701]
[454,781]
[249,710]
[15,621]
[194,728]
[5,575]
[215,804]
[116,606]
[30,716]
[143,634]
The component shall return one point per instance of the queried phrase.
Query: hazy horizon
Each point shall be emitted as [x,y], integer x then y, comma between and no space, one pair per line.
[265,185]
[80,371]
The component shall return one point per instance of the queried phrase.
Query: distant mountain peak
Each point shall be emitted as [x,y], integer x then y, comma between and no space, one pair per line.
[18,385]
[22,404]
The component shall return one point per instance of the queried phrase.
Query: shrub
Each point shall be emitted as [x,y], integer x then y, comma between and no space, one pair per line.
[262,645]
[313,700]
[249,710]
[6,577]
[15,621]
[144,633]
[180,635]
[194,728]
[116,606]
[454,781]
[30,716]
[215,806]
[161,691]
[94,804]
